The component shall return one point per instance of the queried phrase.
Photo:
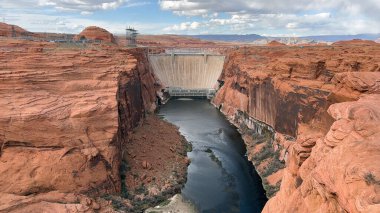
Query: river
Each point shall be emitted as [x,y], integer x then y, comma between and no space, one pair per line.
[220,178]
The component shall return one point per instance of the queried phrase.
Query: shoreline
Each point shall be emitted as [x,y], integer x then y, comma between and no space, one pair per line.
[154,166]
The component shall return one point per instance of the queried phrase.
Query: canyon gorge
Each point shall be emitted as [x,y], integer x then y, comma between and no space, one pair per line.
[319,109]
[78,129]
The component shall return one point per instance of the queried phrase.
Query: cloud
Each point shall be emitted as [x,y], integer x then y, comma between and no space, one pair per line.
[186,26]
[86,13]
[197,7]
[84,7]
[274,24]
[301,17]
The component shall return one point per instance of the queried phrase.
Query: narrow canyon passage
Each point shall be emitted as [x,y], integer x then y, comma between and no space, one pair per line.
[220,178]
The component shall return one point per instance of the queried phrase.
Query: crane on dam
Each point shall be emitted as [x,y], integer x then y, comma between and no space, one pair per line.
[188,72]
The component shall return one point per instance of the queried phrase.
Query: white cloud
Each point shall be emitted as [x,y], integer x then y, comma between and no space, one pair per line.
[289,24]
[86,13]
[301,17]
[292,25]
[84,7]
[185,26]
[268,6]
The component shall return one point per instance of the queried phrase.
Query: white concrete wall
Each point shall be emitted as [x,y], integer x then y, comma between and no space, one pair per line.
[187,71]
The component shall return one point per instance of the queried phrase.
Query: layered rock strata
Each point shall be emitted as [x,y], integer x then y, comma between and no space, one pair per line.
[65,118]
[309,131]
[8,30]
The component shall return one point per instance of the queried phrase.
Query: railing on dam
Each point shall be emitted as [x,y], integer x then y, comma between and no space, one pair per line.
[189,50]
[192,73]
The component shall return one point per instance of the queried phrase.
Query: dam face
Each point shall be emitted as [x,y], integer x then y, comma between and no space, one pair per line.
[188,73]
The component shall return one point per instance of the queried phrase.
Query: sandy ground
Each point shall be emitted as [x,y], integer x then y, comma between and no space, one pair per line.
[176,204]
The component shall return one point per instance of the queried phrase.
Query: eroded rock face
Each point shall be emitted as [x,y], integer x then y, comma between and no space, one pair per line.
[275,44]
[321,154]
[60,124]
[342,172]
[96,34]
[8,30]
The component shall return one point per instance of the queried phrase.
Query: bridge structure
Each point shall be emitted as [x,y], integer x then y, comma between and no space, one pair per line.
[188,72]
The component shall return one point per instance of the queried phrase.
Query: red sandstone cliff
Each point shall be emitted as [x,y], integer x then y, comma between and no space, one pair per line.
[8,30]
[322,104]
[65,117]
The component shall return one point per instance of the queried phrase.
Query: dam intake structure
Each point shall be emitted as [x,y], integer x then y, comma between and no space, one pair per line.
[188,72]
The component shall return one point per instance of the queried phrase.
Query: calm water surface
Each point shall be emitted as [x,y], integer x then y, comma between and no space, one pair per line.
[220,179]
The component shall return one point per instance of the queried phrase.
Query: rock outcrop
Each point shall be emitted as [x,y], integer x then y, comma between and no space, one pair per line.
[7,30]
[94,33]
[275,44]
[357,42]
[341,174]
[66,114]
[309,117]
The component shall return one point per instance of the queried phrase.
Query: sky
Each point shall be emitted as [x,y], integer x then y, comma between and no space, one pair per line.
[190,17]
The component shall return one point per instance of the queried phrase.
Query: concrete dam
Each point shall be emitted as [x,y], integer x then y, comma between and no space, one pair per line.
[188,73]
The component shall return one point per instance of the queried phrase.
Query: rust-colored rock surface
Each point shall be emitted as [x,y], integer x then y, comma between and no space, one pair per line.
[94,33]
[155,152]
[7,30]
[60,123]
[309,117]
[342,172]
[355,42]
[275,44]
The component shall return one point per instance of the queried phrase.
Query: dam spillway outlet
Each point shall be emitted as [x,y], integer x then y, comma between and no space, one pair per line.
[188,74]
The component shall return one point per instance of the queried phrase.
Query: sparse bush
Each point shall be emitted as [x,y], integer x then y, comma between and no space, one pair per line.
[141,189]
[271,190]
[189,147]
[272,168]
[124,167]
[371,179]
[116,202]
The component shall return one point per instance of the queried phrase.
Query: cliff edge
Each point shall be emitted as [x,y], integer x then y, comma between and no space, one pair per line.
[310,119]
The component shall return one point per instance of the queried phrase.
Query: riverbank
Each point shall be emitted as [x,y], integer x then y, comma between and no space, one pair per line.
[175,204]
[154,167]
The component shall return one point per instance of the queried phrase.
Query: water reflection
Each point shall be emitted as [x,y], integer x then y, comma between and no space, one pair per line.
[220,179]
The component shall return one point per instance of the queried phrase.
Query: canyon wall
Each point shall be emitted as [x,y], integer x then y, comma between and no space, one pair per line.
[309,118]
[66,114]
[7,30]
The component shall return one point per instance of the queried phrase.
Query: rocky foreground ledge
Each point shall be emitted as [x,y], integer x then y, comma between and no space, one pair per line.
[310,118]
